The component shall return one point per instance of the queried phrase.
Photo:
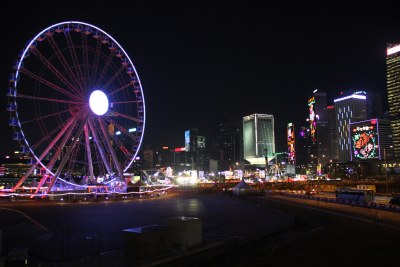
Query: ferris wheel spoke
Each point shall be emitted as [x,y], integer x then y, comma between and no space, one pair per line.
[121,147]
[97,141]
[46,82]
[67,155]
[126,102]
[46,151]
[62,60]
[115,113]
[75,60]
[119,89]
[116,74]
[85,54]
[93,76]
[46,137]
[54,70]
[110,148]
[88,151]
[105,68]
[67,132]
[45,116]
[121,128]
[53,100]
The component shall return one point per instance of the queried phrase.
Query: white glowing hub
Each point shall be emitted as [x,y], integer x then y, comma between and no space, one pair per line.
[98,102]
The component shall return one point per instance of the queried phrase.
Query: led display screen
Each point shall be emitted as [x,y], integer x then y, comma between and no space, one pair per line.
[291,144]
[187,140]
[312,119]
[364,140]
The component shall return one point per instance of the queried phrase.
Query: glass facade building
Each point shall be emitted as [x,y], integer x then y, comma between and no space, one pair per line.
[348,109]
[258,137]
[393,87]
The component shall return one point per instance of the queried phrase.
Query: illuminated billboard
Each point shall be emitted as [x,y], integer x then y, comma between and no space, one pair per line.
[187,140]
[364,140]
[312,119]
[291,144]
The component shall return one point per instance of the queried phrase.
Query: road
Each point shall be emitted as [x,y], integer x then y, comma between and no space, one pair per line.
[301,232]
[329,236]
[58,232]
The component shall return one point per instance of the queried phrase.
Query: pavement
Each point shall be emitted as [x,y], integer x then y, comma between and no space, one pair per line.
[378,213]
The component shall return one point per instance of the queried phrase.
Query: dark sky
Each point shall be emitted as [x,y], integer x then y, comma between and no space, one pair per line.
[200,62]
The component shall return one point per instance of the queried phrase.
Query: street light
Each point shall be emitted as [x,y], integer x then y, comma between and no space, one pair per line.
[386,175]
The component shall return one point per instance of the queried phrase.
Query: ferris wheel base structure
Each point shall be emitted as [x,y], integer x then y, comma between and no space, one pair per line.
[76,106]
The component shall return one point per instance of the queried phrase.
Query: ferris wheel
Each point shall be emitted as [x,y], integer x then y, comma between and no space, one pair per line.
[76,105]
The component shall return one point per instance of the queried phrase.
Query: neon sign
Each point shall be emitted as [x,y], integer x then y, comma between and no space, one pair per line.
[291,144]
[364,142]
[312,119]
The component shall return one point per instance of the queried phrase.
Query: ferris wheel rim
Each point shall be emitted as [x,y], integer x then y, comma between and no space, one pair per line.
[17,75]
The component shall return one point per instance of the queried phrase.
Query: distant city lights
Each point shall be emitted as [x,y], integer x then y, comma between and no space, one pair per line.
[131,130]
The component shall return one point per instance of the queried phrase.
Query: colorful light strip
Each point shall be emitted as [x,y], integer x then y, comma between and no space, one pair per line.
[393,50]
[350,96]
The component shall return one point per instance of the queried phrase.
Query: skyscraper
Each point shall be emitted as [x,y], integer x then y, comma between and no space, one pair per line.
[348,109]
[393,87]
[258,137]
[319,128]
[333,133]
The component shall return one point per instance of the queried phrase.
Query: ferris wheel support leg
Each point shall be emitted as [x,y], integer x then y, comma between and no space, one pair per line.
[115,159]
[100,147]
[65,158]
[88,151]
[44,153]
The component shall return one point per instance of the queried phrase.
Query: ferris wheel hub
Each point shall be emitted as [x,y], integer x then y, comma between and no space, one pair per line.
[98,102]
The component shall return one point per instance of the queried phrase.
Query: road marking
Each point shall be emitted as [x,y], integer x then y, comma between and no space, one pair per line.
[26,216]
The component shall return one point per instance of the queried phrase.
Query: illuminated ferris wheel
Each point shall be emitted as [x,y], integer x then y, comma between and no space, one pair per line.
[76,105]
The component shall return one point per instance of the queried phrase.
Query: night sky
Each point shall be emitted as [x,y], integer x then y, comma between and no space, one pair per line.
[202,62]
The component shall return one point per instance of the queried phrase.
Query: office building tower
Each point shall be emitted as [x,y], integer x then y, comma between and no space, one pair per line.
[349,108]
[258,138]
[334,152]
[195,147]
[228,140]
[393,89]
[319,128]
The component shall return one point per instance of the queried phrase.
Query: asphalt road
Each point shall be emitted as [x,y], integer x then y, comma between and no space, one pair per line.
[329,237]
[59,232]
[301,234]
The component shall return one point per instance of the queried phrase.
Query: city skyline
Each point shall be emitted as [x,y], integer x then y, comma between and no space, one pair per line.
[201,64]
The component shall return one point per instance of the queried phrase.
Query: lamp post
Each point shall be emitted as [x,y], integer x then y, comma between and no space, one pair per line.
[386,171]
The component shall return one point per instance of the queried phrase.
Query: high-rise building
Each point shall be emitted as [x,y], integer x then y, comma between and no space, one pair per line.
[333,133]
[258,138]
[228,140]
[195,147]
[393,88]
[349,108]
[191,140]
[319,128]
[303,149]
